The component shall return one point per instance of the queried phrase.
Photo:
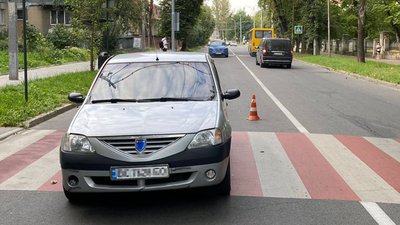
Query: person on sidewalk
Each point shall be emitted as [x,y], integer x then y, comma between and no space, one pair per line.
[378,51]
[164,44]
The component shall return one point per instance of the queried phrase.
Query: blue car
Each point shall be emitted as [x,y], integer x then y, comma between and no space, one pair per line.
[218,47]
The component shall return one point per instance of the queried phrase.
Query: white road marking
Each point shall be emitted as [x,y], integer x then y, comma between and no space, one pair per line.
[289,115]
[377,213]
[36,174]
[277,174]
[368,185]
[389,146]
[18,142]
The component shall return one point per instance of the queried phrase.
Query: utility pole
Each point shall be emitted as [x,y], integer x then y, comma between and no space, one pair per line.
[12,41]
[293,24]
[173,26]
[329,31]
[261,24]
[144,27]
[25,55]
[240,29]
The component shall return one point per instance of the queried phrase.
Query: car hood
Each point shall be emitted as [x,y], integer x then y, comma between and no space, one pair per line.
[218,47]
[144,118]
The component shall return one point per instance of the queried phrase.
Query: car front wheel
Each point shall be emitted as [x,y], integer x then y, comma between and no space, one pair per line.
[224,188]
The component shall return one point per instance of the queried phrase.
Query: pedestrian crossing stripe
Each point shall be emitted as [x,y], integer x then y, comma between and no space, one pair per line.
[263,164]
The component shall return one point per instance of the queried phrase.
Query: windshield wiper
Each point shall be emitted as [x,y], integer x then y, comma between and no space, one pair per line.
[114,100]
[167,99]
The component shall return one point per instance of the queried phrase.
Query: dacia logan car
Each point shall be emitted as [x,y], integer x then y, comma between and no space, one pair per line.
[149,122]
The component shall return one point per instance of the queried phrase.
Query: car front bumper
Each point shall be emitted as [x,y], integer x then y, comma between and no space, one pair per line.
[187,170]
[214,52]
[267,60]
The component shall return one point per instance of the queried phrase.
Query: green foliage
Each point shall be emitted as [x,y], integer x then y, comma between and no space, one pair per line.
[3,40]
[203,29]
[189,13]
[45,95]
[87,23]
[45,56]
[376,70]
[34,39]
[61,36]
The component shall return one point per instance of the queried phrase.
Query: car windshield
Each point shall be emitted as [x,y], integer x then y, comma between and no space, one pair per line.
[170,81]
[276,44]
[217,43]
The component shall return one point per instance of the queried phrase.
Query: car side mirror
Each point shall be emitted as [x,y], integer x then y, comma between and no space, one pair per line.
[76,97]
[231,94]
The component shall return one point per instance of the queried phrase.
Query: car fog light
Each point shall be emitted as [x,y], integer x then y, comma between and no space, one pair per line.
[73,181]
[210,174]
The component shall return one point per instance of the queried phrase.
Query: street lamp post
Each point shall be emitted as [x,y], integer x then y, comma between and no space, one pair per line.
[240,29]
[25,54]
[173,26]
[329,32]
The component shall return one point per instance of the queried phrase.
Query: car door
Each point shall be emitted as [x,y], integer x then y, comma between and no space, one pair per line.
[280,49]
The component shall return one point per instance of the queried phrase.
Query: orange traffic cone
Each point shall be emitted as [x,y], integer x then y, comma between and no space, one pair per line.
[253,110]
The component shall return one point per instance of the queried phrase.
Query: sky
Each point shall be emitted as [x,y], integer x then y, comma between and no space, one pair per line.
[250,6]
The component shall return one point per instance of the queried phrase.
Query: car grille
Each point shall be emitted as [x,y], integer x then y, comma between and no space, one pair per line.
[127,144]
[177,177]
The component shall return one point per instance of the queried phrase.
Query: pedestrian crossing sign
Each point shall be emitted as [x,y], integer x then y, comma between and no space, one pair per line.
[298,29]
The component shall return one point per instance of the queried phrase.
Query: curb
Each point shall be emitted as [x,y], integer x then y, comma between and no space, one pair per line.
[10,133]
[46,116]
[39,119]
[357,76]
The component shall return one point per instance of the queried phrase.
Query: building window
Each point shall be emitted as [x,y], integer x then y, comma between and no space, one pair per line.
[60,16]
[2,17]
[20,14]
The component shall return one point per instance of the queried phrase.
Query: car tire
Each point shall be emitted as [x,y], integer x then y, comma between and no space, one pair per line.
[72,197]
[224,188]
[289,66]
[226,56]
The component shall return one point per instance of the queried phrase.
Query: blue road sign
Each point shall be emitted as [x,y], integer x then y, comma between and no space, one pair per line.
[298,29]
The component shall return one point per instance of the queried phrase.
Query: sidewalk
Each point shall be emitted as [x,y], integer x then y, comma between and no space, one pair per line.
[48,71]
[36,73]
[388,61]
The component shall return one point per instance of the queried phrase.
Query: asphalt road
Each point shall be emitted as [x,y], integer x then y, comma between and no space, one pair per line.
[321,102]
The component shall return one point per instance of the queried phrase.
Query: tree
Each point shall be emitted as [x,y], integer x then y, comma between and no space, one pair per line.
[222,12]
[361,21]
[247,23]
[189,12]
[282,11]
[203,29]
[87,18]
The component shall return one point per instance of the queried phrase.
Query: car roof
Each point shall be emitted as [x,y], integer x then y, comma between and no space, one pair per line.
[162,57]
[277,39]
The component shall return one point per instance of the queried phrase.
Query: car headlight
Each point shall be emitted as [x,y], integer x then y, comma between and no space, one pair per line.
[76,143]
[206,138]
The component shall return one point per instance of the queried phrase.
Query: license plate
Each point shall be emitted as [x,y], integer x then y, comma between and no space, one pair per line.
[139,172]
[278,53]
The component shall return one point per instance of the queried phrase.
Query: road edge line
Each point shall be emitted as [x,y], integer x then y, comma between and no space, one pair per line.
[285,111]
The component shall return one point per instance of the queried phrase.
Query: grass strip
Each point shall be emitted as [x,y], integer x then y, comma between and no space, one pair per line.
[44,96]
[372,69]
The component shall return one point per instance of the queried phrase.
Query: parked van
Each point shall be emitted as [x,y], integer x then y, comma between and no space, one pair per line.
[274,51]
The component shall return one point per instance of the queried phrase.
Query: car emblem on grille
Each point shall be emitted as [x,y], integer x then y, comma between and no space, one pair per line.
[140,145]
